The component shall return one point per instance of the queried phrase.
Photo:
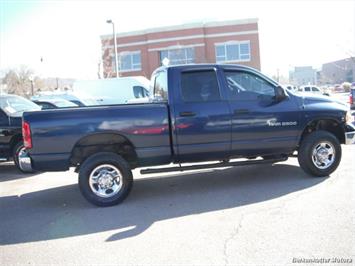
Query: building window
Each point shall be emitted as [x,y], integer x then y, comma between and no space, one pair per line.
[233,52]
[178,56]
[128,61]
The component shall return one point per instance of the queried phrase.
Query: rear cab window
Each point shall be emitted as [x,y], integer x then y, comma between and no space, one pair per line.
[160,86]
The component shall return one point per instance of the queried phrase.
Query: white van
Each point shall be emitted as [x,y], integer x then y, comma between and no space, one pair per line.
[115,90]
[310,89]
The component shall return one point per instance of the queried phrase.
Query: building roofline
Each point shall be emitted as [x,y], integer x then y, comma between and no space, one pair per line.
[208,24]
[350,58]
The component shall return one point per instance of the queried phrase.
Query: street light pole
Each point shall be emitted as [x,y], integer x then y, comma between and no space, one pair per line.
[115,45]
[31,78]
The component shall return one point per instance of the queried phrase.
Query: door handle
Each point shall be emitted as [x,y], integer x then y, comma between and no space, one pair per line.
[241,111]
[187,114]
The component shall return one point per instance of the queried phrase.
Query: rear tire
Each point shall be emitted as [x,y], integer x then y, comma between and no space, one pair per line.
[16,151]
[105,179]
[319,154]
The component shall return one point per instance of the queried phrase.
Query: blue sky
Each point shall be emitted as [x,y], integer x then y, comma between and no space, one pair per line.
[66,34]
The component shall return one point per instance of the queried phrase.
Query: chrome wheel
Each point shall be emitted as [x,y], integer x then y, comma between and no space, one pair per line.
[22,151]
[323,155]
[105,180]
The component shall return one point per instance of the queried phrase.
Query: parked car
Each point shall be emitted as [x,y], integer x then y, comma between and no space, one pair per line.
[352,98]
[53,103]
[11,109]
[198,113]
[311,89]
[79,99]
[115,90]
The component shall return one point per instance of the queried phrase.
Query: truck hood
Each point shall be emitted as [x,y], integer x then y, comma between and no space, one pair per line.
[323,100]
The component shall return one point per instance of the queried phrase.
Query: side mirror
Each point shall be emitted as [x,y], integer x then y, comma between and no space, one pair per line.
[280,94]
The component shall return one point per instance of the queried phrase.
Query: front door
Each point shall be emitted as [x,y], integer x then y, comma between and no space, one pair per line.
[260,124]
[202,117]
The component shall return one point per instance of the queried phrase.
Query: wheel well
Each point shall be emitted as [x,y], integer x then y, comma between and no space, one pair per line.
[16,139]
[329,125]
[103,142]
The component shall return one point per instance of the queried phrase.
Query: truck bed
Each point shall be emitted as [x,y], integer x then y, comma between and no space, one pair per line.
[56,132]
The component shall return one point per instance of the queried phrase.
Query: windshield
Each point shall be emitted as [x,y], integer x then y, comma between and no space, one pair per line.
[15,105]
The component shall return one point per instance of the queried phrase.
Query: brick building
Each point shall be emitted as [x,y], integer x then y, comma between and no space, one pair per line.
[141,52]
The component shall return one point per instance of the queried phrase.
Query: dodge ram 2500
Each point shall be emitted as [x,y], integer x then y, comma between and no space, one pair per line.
[197,113]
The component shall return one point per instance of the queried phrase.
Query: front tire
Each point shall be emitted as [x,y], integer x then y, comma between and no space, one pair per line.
[320,153]
[105,179]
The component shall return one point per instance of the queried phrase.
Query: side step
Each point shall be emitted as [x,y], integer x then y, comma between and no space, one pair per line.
[212,165]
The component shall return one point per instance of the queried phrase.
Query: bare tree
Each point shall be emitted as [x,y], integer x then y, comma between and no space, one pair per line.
[21,81]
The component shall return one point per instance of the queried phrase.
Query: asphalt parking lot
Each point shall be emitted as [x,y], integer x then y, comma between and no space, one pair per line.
[264,215]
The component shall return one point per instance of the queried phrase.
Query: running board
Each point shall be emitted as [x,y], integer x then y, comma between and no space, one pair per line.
[212,165]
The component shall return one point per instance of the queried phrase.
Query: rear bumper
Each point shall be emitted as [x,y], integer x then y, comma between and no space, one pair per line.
[349,134]
[25,162]
[53,162]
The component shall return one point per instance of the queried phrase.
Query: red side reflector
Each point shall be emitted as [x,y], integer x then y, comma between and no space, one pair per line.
[26,134]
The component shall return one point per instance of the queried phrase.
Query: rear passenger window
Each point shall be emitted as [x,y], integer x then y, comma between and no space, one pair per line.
[307,89]
[199,86]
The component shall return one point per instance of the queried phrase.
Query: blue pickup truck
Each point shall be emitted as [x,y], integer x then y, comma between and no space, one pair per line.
[198,113]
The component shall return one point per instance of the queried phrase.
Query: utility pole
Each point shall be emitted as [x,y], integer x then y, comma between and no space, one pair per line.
[278,75]
[109,21]
[31,78]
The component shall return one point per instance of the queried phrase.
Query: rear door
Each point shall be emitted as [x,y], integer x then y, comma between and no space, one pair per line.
[202,117]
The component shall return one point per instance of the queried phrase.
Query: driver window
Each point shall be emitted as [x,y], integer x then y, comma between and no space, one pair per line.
[247,86]
[138,92]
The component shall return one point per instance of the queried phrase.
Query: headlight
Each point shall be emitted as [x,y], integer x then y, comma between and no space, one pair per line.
[349,117]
